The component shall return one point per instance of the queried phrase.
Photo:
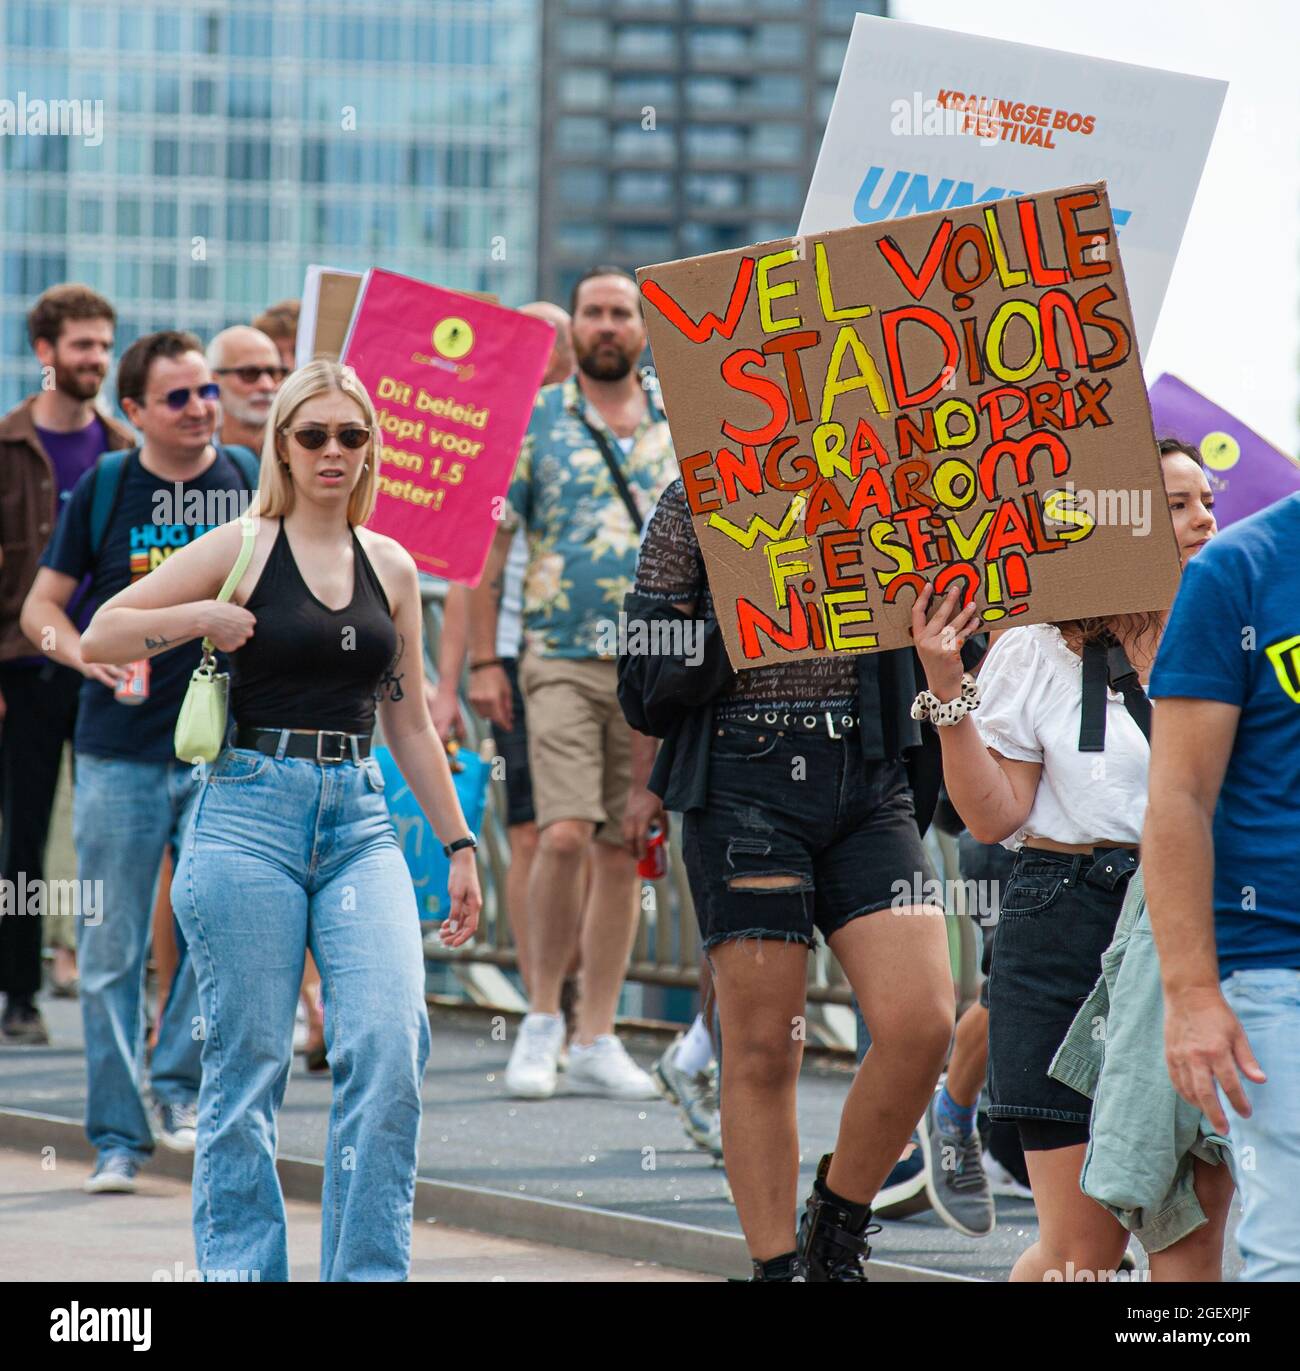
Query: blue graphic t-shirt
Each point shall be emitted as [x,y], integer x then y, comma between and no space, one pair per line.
[1234,636]
[146,527]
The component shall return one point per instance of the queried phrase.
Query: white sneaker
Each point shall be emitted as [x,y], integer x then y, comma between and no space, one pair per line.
[530,1073]
[605,1068]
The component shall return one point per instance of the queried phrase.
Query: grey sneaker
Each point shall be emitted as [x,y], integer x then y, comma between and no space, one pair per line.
[954,1177]
[696,1096]
[177,1126]
[114,1174]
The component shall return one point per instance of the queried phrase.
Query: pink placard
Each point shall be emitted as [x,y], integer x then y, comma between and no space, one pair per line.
[453,380]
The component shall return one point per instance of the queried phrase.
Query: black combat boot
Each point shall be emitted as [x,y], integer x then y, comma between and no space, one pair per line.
[833,1233]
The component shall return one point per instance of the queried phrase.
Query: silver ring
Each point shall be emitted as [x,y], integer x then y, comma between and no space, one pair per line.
[752,718]
[810,721]
[769,718]
[846,720]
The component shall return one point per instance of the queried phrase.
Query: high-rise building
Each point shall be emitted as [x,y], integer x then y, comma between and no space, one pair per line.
[679,127]
[243,139]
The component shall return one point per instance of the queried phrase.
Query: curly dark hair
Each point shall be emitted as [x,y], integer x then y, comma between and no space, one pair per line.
[59,304]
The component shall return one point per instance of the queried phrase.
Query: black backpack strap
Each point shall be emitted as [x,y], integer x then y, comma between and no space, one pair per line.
[1092,710]
[1105,663]
[1124,679]
[616,471]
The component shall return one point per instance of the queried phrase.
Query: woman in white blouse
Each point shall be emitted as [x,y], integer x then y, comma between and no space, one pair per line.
[1017,771]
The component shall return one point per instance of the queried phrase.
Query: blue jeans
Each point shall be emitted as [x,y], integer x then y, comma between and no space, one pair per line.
[1266,1146]
[124,815]
[286,855]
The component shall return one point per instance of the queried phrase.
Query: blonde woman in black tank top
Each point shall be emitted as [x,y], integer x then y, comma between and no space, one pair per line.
[289,845]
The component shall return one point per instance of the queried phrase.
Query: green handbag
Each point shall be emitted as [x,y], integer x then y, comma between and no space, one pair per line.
[201,724]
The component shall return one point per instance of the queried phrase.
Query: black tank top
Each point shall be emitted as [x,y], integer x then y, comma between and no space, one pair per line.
[307,666]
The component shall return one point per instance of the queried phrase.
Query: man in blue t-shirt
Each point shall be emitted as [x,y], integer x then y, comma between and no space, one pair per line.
[1221,850]
[131,795]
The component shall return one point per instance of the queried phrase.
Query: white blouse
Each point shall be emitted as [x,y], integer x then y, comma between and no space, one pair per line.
[1031,688]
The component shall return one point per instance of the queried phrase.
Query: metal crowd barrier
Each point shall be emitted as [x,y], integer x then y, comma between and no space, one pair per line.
[666,952]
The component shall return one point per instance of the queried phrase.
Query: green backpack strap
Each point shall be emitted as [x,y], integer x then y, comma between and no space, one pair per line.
[249,464]
[106,486]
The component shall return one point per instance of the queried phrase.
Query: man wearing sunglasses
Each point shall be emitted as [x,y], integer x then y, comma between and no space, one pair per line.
[130,799]
[247,366]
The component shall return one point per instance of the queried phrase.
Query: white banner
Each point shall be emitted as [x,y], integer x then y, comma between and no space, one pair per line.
[925,119]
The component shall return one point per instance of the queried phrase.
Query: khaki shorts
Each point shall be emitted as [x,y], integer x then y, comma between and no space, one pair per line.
[579,744]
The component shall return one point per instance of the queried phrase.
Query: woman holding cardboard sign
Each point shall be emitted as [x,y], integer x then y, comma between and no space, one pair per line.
[799,821]
[1048,755]
[291,846]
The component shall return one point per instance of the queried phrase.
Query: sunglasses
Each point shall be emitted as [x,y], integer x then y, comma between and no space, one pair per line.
[314,436]
[178,399]
[251,375]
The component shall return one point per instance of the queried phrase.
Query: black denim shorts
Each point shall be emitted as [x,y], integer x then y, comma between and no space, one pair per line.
[512,744]
[799,803]
[1058,915]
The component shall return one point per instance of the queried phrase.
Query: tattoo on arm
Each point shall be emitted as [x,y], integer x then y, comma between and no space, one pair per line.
[151,643]
[390,683]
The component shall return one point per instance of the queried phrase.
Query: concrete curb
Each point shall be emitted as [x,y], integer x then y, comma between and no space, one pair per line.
[485,1211]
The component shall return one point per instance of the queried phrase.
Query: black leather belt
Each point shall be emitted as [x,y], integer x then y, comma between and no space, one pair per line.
[318,746]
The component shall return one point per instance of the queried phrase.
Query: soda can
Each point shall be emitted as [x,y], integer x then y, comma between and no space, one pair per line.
[133,688]
[654,865]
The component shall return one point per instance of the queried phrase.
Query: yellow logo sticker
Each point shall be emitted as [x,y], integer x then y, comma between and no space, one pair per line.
[453,338]
[1285,657]
[1220,450]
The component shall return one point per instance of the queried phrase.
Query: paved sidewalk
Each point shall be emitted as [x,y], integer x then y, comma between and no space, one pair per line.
[53,1231]
[630,1158]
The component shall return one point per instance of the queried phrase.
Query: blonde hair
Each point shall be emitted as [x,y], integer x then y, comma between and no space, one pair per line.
[275,488]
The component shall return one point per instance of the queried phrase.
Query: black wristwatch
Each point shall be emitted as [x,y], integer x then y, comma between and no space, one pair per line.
[449,848]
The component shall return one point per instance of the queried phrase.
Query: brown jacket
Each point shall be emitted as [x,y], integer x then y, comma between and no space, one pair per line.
[29,505]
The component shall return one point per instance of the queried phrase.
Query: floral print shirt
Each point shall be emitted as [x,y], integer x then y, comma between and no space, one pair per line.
[582,543]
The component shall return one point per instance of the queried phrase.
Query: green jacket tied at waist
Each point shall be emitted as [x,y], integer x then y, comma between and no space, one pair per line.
[1144,1134]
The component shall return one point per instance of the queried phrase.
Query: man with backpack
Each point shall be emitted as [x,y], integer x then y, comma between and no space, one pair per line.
[46,444]
[131,795]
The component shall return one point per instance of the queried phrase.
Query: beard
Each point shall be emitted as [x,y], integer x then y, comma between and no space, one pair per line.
[604,362]
[248,411]
[78,383]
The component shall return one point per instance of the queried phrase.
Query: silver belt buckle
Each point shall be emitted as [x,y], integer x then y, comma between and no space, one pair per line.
[830,726]
[321,736]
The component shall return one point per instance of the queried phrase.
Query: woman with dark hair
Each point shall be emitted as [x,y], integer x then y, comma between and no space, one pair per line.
[290,846]
[1049,756]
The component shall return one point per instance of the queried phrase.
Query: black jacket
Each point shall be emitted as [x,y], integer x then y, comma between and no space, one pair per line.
[665,697]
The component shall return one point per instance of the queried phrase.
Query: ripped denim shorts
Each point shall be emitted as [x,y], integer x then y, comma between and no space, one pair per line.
[801,807]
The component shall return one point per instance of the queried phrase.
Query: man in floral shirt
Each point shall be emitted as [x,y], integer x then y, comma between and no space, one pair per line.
[595,460]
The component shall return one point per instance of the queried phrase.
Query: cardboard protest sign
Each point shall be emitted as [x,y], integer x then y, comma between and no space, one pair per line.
[951,398]
[925,119]
[1246,472]
[453,379]
[324,313]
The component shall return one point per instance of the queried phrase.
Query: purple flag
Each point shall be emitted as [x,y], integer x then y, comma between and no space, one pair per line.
[1246,471]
